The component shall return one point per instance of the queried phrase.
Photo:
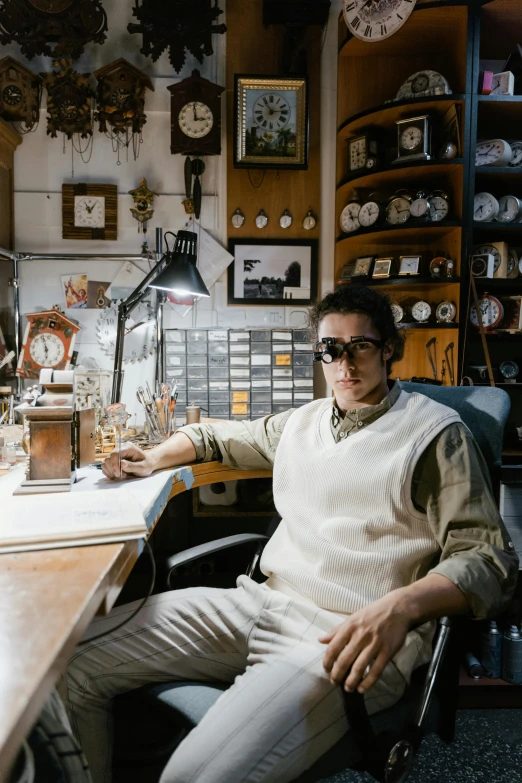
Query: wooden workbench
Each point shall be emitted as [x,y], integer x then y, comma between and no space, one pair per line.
[47,600]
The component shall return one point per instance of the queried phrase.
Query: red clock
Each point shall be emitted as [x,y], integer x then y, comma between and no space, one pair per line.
[48,342]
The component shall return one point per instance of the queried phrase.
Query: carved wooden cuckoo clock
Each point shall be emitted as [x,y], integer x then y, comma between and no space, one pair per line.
[56,28]
[121,103]
[20,93]
[195,116]
[69,101]
[48,342]
[176,26]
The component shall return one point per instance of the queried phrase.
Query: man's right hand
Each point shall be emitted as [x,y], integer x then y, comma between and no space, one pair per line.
[134,462]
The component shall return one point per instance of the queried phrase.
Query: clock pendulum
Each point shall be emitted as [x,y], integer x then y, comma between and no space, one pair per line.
[193,168]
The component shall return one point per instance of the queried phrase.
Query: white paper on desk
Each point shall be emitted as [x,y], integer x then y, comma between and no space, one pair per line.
[213,259]
[68,519]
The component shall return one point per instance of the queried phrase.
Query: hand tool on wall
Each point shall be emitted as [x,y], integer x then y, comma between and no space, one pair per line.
[448,353]
[431,352]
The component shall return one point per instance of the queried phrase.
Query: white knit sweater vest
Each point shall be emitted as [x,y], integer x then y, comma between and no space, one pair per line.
[349,532]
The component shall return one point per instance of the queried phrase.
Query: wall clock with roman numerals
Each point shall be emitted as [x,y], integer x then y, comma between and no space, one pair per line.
[374,20]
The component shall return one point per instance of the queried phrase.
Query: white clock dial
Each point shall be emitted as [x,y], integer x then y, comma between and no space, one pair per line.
[495,152]
[446,312]
[358,154]
[409,266]
[421,311]
[373,20]
[491,311]
[140,332]
[485,207]
[420,208]
[285,221]
[398,211]
[89,211]
[411,137]
[509,209]
[237,219]
[271,111]
[369,214]
[195,120]
[516,154]
[350,217]
[47,350]
[397,312]
[439,208]
[261,219]
[309,221]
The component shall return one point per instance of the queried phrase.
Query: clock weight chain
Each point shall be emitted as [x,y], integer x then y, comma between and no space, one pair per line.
[193,168]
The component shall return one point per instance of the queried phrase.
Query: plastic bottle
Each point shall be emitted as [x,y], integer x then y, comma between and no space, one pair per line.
[492,650]
[512,656]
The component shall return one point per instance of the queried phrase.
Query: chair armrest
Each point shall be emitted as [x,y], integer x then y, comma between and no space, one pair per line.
[196,552]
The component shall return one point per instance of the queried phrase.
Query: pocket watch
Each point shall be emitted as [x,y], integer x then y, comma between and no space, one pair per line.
[485,207]
[397,312]
[371,211]
[237,218]
[448,151]
[495,152]
[261,219]
[350,215]
[439,205]
[421,311]
[510,209]
[516,154]
[446,312]
[398,209]
[285,221]
[420,206]
[491,310]
[509,370]
[309,221]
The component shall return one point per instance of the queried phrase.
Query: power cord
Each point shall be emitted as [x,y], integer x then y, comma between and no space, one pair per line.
[138,609]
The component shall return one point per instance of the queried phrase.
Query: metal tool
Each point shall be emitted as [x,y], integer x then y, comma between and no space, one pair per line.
[448,352]
[432,355]
[443,371]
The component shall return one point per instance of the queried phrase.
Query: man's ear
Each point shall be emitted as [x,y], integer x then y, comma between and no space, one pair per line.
[387,351]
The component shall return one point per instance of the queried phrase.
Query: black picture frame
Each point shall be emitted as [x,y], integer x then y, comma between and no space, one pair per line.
[245,158]
[306,250]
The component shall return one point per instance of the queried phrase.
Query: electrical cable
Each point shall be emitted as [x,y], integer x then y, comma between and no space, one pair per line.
[138,609]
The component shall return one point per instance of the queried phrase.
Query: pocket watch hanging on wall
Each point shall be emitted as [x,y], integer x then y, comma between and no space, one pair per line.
[374,20]
[38,24]
[20,94]
[120,101]
[176,26]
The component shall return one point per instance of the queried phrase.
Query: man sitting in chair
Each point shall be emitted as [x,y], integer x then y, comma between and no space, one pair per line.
[388,521]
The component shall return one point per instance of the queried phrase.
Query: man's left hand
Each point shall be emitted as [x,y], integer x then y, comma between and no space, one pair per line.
[368,638]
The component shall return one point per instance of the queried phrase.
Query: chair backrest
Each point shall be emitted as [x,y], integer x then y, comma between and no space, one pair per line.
[483,409]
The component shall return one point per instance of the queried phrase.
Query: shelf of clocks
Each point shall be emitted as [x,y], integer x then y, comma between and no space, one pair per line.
[425,233]
[434,38]
[412,175]
[403,280]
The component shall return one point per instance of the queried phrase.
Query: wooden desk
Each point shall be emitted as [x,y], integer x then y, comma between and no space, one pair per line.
[47,600]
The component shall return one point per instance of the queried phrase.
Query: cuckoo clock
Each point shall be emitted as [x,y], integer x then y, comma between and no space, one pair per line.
[69,101]
[142,210]
[177,25]
[55,28]
[121,96]
[48,342]
[195,116]
[20,92]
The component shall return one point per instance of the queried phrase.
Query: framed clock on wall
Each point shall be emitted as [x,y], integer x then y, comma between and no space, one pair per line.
[89,211]
[48,342]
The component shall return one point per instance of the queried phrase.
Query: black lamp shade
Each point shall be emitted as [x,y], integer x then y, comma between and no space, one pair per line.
[181,274]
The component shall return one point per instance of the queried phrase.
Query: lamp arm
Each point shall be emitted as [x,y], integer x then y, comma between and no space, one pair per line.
[125,308]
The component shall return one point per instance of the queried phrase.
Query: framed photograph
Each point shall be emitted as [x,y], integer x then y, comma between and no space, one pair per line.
[363,266]
[273,271]
[410,265]
[271,122]
[382,267]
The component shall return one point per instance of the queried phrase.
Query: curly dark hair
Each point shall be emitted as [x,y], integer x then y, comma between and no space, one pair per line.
[366,301]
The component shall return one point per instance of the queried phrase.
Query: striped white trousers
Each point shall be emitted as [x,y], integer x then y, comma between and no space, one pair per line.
[278,717]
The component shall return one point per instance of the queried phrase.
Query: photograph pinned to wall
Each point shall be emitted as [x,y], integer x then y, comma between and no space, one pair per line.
[271,122]
[273,272]
[97,298]
[75,289]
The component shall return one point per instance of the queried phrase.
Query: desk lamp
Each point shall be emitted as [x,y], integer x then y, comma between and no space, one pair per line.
[175,271]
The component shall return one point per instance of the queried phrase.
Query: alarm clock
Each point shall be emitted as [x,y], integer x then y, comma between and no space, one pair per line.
[491,311]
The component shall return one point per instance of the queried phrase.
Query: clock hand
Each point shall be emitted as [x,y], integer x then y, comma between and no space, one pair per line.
[194,110]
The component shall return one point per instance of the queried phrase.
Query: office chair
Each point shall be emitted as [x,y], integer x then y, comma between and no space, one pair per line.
[385,745]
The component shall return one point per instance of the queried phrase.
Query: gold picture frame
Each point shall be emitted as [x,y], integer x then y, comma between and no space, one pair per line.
[271,122]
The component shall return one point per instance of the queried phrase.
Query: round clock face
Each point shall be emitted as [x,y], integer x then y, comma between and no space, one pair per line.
[482,250]
[509,209]
[51,6]
[491,311]
[89,211]
[411,137]
[12,95]
[285,221]
[47,350]
[271,111]
[140,332]
[421,311]
[397,312]
[350,218]
[120,96]
[420,208]
[496,152]
[369,214]
[446,311]
[439,208]
[196,120]
[512,262]
[68,110]
[261,220]
[237,219]
[509,369]
[373,20]
[309,222]
[358,154]
[398,211]
[516,154]
[485,207]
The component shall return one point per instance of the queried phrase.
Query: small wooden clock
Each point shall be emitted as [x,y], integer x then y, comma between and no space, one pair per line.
[89,211]
[48,342]
[195,111]
[20,92]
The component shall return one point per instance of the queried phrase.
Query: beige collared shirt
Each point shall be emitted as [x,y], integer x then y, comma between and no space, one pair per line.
[450,484]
